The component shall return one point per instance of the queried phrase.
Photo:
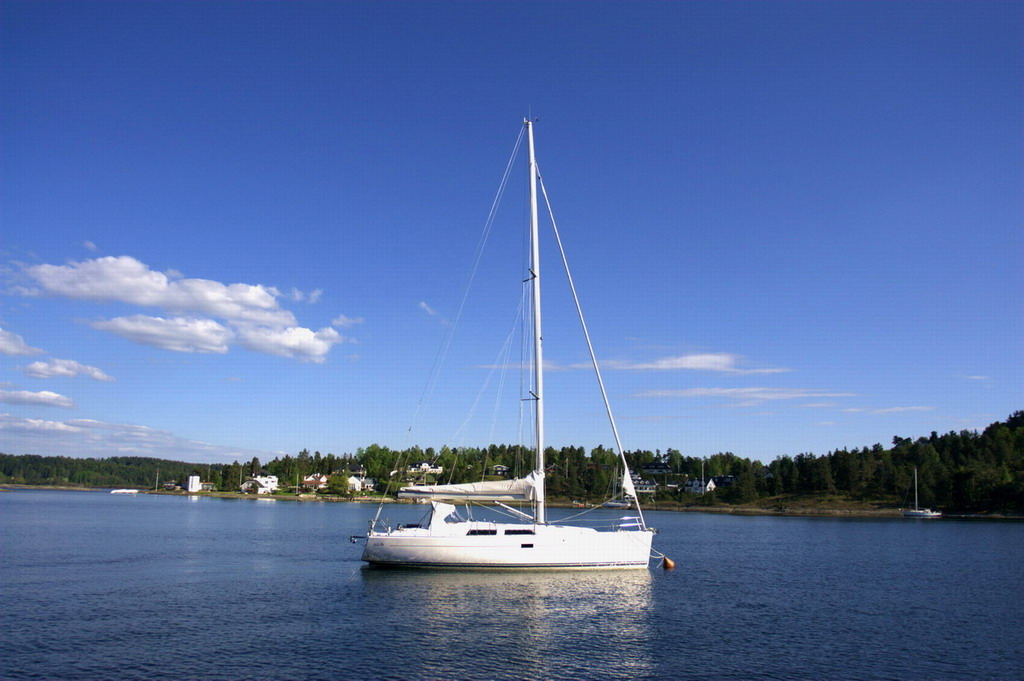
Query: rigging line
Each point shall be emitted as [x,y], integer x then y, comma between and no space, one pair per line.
[442,352]
[502,352]
[478,255]
[524,376]
[586,334]
[504,372]
[579,515]
[500,362]
[503,364]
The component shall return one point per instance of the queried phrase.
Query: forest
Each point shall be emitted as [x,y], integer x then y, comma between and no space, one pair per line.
[965,471]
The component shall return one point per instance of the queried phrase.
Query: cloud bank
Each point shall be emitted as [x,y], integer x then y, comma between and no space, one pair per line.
[719,361]
[202,315]
[14,345]
[746,397]
[90,438]
[44,398]
[67,368]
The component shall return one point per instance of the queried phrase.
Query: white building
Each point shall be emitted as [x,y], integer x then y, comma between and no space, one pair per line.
[261,484]
[697,486]
[645,487]
[315,481]
[358,484]
[194,484]
[425,468]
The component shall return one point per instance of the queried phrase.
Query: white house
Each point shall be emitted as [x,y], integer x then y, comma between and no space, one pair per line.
[194,484]
[261,484]
[697,486]
[424,468]
[645,487]
[315,481]
[358,484]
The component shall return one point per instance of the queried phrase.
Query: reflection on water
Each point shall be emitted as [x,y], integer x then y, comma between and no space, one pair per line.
[519,624]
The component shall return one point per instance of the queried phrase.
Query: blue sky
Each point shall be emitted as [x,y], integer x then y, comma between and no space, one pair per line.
[231,229]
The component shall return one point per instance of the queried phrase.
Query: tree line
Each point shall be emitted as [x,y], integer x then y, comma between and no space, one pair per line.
[965,470]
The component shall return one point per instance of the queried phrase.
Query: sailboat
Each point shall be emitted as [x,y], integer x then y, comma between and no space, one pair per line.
[447,540]
[617,501]
[917,511]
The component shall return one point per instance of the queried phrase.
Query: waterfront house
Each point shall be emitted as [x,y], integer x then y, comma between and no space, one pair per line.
[645,487]
[499,469]
[315,481]
[697,486]
[260,484]
[656,468]
[424,468]
[360,484]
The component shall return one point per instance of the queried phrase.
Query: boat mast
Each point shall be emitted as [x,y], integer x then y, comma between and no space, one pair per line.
[915,488]
[538,357]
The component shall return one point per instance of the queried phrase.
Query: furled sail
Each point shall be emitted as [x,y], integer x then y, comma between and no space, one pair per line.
[520,489]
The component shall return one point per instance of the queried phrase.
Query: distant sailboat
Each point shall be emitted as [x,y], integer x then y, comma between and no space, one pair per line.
[446,540]
[918,512]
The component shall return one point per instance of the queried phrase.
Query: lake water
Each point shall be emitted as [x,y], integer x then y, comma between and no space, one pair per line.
[100,586]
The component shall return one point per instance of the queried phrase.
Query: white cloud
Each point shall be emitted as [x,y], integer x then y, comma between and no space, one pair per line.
[66,368]
[979,378]
[177,334]
[426,308]
[885,410]
[10,423]
[312,297]
[295,342]
[746,397]
[89,246]
[248,314]
[127,280]
[23,292]
[13,344]
[88,437]
[43,398]
[344,322]
[719,361]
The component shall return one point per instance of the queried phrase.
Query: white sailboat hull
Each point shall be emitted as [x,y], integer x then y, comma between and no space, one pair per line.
[921,513]
[548,547]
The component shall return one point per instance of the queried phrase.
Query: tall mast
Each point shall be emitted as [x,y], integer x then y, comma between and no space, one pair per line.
[915,488]
[538,356]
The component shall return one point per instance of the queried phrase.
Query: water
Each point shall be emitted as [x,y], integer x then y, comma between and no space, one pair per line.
[100,586]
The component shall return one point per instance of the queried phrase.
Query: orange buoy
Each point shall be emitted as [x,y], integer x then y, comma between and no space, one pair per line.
[667,563]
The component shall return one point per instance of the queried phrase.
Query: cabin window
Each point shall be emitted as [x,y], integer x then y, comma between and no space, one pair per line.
[520,532]
[526,546]
[477,532]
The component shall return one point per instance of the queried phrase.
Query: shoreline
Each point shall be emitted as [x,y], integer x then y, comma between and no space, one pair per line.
[862,511]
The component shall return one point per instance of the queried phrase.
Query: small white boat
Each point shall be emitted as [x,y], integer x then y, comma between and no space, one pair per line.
[124,491]
[917,511]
